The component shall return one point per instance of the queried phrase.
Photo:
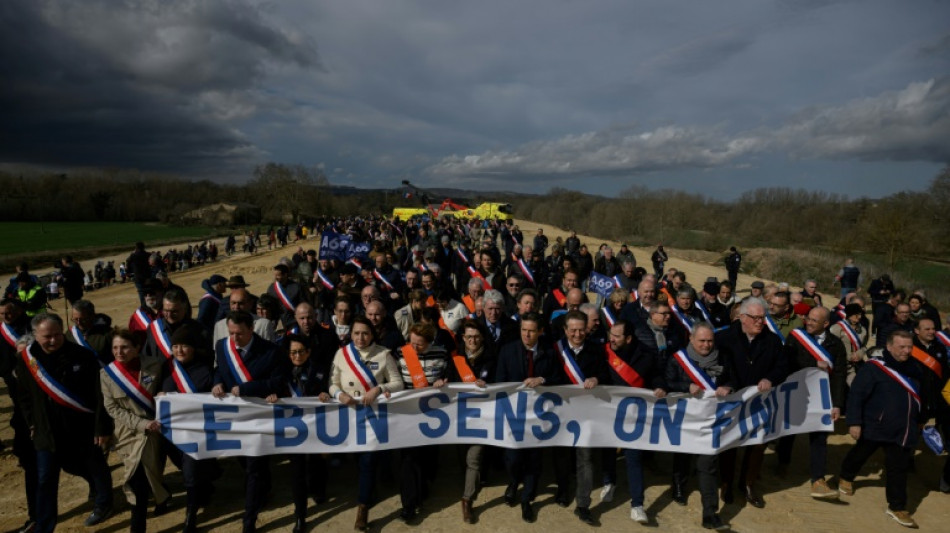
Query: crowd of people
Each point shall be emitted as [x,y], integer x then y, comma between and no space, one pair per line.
[440,302]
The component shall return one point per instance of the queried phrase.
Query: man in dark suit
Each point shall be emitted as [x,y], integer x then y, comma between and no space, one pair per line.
[288,293]
[530,362]
[499,327]
[248,365]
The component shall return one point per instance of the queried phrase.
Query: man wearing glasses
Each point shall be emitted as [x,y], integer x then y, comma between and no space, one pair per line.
[754,357]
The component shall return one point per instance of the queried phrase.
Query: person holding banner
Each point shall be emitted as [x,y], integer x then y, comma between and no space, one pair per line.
[883,412]
[532,363]
[698,370]
[475,365]
[362,370]
[307,378]
[248,365]
[128,388]
[814,347]
[58,387]
[190,373]
[853,335]
[422,362]
[753,357]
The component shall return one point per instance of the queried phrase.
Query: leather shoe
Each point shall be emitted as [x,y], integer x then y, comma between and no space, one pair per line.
[467,516]
[98,516]
[562,498]
[754,499]
[511,491]
[678,492]
[300,526]
[191,521]
[527,513]
[162,508]
[362,517]
[250,526]
[406,514]
[584,514]
[714,522]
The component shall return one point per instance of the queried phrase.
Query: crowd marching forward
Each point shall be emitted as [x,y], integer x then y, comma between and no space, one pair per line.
[452,301]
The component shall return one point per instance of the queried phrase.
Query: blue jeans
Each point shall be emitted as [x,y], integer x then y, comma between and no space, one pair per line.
[635,476]
[87,461]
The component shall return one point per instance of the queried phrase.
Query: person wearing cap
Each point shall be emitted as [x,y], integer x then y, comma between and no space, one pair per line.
[152,308]
[234,282]
[855,349]
[211,300]
[268,374]
[138,439]
[287,292]
[32,295]
[191,356]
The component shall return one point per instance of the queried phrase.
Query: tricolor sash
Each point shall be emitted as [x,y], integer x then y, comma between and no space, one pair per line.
[927,360]
[773,327]
[841,314]
[705,312]
[130,386]
[325,280]
[50,386]
[851,334]
[414,366]
[208,295]
[696,374]
[9,334]
[899,378]
[525,270]
[617,282]
[559,296]
[355,262]
[463,368]
[282,296]
[812,347]
[182,379]
[382,279]
[625,371]
[423,267]
[141,318]
[571,367]
[943,338]
[352,357]
[684,320]
[81,340]
[295,391]
[476,274]
[609,317]
[462,256]
[235,362]
[160,335]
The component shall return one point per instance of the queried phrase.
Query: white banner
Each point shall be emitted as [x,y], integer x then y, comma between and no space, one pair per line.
[507,415]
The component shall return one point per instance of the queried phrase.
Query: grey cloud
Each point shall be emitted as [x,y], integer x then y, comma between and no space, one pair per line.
[908,125]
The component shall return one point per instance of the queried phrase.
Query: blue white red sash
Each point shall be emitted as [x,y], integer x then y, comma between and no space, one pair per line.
[9,334]
[282,296]
[696,374]
[355,262]
[811,346]
[702,309]
[160,335]
[773,327]
[617,282]
[682,318]
[851,334]
[352,357]
[295,391]
[324,280]
[943,338]
[462,256]
[571,368]
[382,279]
[899,378]
[395,227]
[841,314]
[235,362]
[209,296]
[50,386]
[181,377]
[132,388]
[141,318]
[609,317]
[423,267]
[81,340]
[525,270]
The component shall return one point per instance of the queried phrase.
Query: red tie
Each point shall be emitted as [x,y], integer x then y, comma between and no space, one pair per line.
[530,354]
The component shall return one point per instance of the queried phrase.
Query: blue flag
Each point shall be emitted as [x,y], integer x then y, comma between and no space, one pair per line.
[601,284]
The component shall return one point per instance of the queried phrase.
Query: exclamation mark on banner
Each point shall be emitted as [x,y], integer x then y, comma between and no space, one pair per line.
[825,401]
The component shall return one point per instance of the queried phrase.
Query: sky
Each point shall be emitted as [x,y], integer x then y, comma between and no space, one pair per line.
[717,98]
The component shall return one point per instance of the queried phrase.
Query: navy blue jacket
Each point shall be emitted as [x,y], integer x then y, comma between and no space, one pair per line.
[269,370]
[512,365]
[882,407]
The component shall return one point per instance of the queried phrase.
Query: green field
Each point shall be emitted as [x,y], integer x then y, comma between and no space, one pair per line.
[33,237]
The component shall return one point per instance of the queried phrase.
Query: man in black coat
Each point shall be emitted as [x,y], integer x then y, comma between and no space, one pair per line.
[883,412]
[266,373]
[288,294]
[930,356]
[534,364]
[69,433]
[753,357]
[801,356]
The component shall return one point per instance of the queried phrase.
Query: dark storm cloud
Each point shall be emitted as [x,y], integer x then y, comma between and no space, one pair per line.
[136,84]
